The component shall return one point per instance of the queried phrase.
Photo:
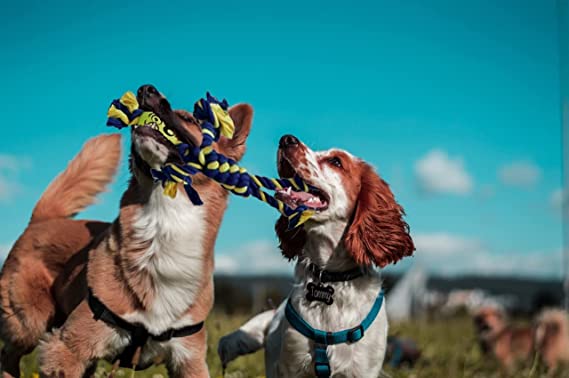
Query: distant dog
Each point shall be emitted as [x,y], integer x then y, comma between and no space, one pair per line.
[552,338]
[358,224]
[143,280]
[509,344]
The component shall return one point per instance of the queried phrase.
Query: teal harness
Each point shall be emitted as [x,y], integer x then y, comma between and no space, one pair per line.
[322,338]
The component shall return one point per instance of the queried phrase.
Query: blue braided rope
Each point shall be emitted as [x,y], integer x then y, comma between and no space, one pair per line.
[207,160]
[238,179]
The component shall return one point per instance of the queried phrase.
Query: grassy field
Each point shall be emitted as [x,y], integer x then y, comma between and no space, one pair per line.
[449,350]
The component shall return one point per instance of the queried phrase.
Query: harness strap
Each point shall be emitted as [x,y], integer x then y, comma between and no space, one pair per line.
[139,335]
[322,338]
[321,362]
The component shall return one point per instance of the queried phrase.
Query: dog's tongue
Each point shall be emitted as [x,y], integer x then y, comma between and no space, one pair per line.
[294,199]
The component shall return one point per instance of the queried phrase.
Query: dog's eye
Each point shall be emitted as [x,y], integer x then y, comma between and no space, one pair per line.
[335,161]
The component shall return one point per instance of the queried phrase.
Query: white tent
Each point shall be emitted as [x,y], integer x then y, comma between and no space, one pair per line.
[406,300]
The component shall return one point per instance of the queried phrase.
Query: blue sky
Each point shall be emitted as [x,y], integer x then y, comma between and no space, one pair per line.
[457,105]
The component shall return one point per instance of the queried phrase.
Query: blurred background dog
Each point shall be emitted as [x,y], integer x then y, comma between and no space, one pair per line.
[511,344]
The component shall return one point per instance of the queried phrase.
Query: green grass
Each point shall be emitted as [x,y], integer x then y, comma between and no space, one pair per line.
[449,350]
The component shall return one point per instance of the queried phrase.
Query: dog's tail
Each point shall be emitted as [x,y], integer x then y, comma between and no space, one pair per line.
[247,339]
[86,176]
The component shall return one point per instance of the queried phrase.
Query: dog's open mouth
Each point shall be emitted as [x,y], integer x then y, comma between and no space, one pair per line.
[152,133]
[315,198]
[149,132]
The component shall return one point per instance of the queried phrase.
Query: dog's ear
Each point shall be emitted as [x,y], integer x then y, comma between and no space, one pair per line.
[292,241]
[242,115]
[377,235]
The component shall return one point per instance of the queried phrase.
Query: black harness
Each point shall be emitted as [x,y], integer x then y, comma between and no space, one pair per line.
[138,333]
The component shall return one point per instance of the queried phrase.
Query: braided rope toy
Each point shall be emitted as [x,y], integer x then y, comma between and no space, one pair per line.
[214,122]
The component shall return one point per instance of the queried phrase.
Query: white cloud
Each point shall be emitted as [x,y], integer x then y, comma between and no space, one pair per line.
[257,257]
[14,163]
[523,174]
[438,252]
[449,254]
[559,198]
[226,264]
[8,189]
[437,172]
[444,244]
[10,166]
[534,263]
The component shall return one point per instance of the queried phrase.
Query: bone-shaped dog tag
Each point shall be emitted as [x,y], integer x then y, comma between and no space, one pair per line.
[319,292]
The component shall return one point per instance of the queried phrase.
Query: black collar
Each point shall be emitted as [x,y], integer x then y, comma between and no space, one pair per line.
[324,276]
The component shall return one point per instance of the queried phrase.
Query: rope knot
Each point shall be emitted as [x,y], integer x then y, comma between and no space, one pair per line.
[215,112]
[215,122]
[126,112]
[123,112]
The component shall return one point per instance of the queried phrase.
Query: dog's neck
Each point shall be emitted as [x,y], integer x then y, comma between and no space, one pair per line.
[170,245]
[324,247]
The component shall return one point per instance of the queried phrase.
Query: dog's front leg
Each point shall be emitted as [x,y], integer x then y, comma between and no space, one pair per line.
[188,357]
[68,351]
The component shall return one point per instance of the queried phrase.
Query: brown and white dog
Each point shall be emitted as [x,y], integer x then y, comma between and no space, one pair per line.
[552,338]
[39,256]
[510,344]
[357,225]
[152,266]
[507,343]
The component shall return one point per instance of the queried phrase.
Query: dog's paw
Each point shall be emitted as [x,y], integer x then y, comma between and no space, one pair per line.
[236,344]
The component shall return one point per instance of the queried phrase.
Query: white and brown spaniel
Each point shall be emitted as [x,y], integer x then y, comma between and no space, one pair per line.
[358,225]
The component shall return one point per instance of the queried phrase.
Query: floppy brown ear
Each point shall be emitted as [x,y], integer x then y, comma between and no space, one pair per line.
[242,115]
[378,234]
[292,241]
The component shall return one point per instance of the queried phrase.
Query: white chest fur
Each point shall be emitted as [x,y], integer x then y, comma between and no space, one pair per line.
[352,302]
[174,259]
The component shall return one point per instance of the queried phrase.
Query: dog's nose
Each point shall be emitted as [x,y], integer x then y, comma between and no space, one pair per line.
[146,91]
[288,141]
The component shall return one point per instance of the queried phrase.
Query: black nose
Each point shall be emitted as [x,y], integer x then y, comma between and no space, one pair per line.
[146,91]
[288,141]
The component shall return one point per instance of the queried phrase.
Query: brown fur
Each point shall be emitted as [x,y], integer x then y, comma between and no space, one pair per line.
[47,244]
[44,281]
[116,279]
[291,241]
[507,343]
[86,176]
[510,344]
[552,337]
[377,234]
